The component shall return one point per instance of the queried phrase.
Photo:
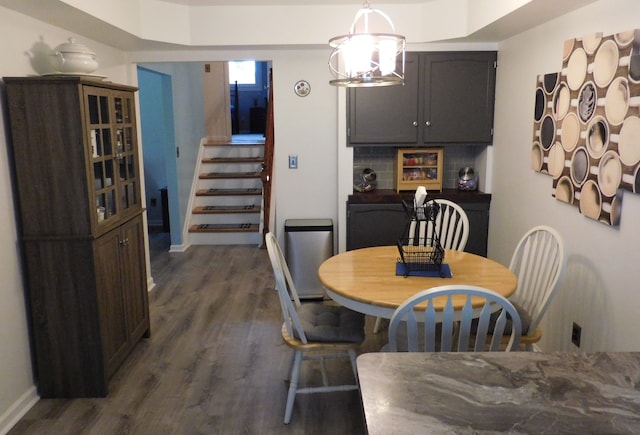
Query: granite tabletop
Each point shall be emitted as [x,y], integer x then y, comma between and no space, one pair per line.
[514,392]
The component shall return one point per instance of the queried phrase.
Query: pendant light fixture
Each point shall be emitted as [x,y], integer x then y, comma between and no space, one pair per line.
[362,58]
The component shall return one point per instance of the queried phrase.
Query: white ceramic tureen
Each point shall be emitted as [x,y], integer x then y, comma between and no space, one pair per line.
[73,58]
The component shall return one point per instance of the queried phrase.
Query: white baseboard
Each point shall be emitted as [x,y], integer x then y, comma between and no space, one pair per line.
[18,410]
[179,248]
[151,284]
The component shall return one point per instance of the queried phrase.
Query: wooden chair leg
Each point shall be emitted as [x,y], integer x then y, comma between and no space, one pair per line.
[529,340]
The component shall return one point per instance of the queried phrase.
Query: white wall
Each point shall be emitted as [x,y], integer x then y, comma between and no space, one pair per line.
[600,290]
[306,127]
[20,37]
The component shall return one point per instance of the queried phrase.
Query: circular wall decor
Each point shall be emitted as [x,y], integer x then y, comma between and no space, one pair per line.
[302,88]
[547,132]
[587,101]
[540,104]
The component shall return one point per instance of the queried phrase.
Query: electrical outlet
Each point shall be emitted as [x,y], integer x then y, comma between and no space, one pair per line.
[293,162]
[576,332]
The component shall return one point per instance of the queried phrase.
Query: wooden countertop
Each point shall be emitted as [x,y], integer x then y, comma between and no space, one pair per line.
[390,195]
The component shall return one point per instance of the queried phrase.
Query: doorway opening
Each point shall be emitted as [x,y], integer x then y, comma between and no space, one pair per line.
[156,104]
[249,91]
[182,84]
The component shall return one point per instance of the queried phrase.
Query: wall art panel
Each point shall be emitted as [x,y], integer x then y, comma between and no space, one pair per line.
[587,124]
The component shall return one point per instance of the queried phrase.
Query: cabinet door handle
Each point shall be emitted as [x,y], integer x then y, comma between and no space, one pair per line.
[415,123]
[427,123]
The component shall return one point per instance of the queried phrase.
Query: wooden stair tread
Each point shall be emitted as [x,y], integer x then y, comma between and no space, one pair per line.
[233,160]
[229,192]
[213,209]
[222,175]
[224,228]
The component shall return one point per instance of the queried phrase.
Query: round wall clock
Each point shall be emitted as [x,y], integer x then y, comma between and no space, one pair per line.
[302,88]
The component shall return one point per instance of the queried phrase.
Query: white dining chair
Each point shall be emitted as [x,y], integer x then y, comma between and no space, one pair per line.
[538,262]
[450,330]
[313,331]
[451,226]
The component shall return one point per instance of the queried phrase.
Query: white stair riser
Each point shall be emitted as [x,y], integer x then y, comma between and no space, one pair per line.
[226,239]
[233,151]
[227,167]
[227,183]
[240,218]
[201,201]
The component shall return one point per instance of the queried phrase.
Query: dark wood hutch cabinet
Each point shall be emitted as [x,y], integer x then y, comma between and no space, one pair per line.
[75,154]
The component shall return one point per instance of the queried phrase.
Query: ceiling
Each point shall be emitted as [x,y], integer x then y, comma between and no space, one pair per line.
[279,2]
[524,15]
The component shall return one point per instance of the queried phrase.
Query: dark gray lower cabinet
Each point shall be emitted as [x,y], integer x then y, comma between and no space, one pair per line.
[478,214]
[383,223]
[374,224]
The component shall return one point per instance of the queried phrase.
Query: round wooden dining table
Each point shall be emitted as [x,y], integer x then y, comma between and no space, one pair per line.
[365,279]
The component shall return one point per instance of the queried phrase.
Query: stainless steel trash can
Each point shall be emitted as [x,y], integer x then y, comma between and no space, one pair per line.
[308,242]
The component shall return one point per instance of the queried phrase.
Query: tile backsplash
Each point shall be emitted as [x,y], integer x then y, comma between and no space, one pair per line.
[382,160]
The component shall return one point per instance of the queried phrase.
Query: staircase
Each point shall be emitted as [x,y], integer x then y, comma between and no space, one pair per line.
[226,195]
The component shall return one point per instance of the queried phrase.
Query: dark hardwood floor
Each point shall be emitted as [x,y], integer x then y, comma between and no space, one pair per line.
[215,362]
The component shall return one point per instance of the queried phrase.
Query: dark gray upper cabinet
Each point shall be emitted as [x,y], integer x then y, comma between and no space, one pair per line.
[448,97]
[458,96]
[386,114]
